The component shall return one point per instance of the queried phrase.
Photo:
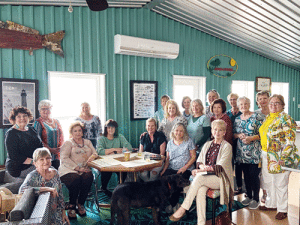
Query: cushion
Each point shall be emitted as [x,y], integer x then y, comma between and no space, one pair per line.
[213,193]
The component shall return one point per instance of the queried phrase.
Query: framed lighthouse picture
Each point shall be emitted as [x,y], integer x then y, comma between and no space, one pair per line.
[18,92]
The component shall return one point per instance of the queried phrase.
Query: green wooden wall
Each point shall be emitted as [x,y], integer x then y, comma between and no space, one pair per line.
[89,48]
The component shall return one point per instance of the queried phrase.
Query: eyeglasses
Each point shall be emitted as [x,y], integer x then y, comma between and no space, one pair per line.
[46,109]
[275,103]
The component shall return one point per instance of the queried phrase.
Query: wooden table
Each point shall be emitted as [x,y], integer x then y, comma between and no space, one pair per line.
[102,165]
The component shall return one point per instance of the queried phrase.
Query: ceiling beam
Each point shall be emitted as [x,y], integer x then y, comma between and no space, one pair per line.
[153,4]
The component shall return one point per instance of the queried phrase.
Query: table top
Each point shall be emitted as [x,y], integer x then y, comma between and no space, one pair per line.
[116,163]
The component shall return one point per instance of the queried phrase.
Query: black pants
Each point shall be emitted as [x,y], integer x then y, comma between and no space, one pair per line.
[105,177]
[175,196]
[239,175]
[252,182]
[55,163]
[78,186]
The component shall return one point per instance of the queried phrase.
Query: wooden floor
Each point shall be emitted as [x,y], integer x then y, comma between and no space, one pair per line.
[257,217]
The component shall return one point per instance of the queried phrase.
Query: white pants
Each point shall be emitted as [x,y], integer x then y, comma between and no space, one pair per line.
[198,188]
[276,186]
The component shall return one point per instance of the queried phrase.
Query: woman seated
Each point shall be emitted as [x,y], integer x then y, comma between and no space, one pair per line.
[73,170]
[20,142]
[46,179]
[154,142]
[181,155]
[111,143]
[218,108]
[215,156]
[50,131]
[172,116]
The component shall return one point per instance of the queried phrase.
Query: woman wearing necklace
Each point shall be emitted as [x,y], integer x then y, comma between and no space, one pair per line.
[111,143]
[74,172]
[92,124]
[20,143]
[46,179]
[50,131]
[215,156]
[246,130]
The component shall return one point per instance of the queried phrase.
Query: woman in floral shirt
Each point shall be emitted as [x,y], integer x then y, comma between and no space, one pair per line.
[248,151]
[278,134]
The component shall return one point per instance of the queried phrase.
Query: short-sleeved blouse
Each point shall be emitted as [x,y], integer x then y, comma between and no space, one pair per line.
[195,129]
[233,116]
[154,147]
[92,129]
[180,154]
[249,154]
[35,180]
[166,125]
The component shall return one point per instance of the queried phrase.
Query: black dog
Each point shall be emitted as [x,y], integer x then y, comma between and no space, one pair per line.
[149,194]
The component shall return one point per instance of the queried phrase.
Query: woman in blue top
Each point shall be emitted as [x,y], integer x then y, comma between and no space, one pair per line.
[155,142]
[198,125]
[160,114]
[186,103]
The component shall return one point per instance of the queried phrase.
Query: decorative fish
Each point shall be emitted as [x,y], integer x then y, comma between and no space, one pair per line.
[13,35]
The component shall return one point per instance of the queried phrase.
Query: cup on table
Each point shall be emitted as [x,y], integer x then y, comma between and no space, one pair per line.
[127,156]
[147,157]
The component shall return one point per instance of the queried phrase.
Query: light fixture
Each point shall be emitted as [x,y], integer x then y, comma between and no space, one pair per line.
[97,5]
[70,9]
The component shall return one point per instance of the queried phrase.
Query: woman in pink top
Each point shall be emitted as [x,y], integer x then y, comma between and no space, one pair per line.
[73,170]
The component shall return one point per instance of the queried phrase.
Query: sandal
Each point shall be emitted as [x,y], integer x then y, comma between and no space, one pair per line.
[281,216]
[80,210]
[71,212]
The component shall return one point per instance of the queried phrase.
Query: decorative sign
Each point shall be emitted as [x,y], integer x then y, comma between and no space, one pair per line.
[263,84]
[222,66]
[143,99]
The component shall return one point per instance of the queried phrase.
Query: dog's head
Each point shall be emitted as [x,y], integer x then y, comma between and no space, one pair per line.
[178,181]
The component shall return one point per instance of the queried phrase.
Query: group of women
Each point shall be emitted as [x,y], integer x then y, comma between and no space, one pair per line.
[216,138]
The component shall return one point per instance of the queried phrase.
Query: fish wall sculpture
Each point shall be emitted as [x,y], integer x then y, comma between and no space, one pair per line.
[16,36]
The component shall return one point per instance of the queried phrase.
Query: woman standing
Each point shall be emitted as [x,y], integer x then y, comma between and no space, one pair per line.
[215,156]
[172,116]
[73,170]
[262,100]
[211,96]
[92,124]
[278,134]
[160,114]
[218,108]
[234,112]
[50,131]
[198,125]
[186,102]
[248,151]
[46,179]
[111,143]
[154,142]
[20,142]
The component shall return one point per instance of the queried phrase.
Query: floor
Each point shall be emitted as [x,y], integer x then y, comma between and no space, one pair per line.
[257,217]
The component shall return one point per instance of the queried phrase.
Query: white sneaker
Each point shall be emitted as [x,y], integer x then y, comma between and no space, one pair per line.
[246,201]
[253,204]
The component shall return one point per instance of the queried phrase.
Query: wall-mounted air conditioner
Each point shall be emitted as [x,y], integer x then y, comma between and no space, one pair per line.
[128,45]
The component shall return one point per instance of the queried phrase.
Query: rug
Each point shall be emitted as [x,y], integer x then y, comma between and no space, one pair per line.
[143,216]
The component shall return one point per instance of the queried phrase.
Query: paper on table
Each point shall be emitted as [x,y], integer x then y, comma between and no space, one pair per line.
[136,163]
[105,162]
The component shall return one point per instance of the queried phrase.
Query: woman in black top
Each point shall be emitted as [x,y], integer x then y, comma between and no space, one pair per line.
[20,143]
[154,142]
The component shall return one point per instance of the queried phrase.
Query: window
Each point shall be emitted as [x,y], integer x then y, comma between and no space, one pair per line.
[282,88]
[244,88]
[191,86]
[68,90]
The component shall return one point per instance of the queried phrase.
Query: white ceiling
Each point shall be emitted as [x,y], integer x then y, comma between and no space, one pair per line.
[270,28]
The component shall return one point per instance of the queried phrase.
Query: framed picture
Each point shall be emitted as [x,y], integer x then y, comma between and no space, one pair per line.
[18,92]
[143,99]
[263,84]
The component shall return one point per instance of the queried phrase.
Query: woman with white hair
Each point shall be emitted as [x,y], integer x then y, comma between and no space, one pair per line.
[92,124]
[46,179]
[246,130]
[210,97]
[172,116]
[50,131]
[215,156]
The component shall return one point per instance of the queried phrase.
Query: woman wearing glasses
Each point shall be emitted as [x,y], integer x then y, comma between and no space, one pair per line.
[211,96]
[277,134]
[50,131]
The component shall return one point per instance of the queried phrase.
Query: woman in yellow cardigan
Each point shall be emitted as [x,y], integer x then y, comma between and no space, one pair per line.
[278,134]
